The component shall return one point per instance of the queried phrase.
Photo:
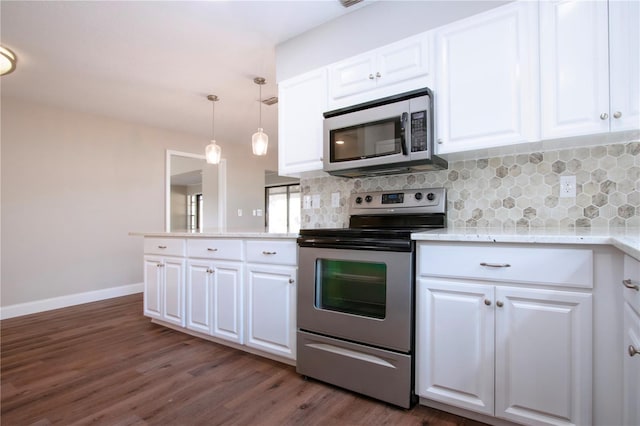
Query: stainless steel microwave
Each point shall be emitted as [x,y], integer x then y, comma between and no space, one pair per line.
[388,136]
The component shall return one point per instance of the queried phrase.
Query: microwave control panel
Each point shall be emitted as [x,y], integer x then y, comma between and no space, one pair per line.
[419,131]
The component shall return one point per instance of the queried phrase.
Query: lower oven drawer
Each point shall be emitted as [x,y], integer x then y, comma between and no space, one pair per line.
[374,372]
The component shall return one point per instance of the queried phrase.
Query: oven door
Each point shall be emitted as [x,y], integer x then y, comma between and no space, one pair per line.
[364,296]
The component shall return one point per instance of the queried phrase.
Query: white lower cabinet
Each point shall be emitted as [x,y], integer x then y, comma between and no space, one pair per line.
[501,348]
[631,349]
[214,299]
[164,288]
[271,309]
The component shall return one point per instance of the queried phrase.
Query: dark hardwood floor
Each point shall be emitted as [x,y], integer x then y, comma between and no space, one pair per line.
[104,363]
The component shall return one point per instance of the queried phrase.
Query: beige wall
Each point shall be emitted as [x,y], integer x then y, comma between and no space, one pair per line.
[74,185]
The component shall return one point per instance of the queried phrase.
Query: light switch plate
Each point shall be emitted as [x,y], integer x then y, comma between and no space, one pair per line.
[315,202]
[306,202]
[335,199]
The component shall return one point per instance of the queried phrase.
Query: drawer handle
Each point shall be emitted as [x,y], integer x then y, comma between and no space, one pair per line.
[495,265]
[209,271]
[159,265]
[629,284]
[269,252]
[291,281]
[162,247]
[633,351]
[212,249]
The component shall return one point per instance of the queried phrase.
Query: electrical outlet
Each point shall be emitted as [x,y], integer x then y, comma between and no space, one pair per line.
[239,212]
[315,201]
[335,199]
[567,186]
[306,202]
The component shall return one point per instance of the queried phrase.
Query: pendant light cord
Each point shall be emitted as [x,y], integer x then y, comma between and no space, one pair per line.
[260,106]
[213,121]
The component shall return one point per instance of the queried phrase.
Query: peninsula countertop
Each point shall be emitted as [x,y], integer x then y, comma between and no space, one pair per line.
[216,234]
[625,239]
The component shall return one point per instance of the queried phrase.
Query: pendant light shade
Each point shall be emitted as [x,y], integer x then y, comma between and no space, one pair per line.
[7,61]
[213,152]
[259,140]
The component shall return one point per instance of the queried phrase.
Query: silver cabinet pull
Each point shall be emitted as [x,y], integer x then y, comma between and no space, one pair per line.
[212,249]
[158,265]
[162,247]
[633,350]
[378,74]
[629,284]
[269,252]
[487,302]
[499,304]
[210,271]
[604,116]
[495,265]
[291,281]
[617,114]
[371,77]
[440,141]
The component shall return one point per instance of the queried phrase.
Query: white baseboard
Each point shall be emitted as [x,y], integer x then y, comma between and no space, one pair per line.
[27,308]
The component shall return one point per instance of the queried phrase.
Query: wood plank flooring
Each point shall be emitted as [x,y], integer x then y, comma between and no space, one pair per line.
[104,363]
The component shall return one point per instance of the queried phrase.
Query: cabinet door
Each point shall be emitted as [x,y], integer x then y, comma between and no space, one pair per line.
[271,309]
[455,337]
[301,103]
[353,75]
[624,56]
[574,66]
[631,365]
[173,270]
[199,296]
[487,84]
[403,60]
[227,301]
[543,356]
[152,287]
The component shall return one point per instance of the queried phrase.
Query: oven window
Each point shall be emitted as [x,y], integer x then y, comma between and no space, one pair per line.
[358,288]
[365,141]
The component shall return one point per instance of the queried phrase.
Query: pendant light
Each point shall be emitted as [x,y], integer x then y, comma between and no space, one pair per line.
[259,140]
[213,151]
[7,61]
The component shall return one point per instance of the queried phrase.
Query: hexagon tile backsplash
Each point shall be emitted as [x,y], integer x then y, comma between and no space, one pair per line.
[519,190]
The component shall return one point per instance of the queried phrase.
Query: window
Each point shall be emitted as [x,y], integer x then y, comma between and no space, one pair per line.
[194,212]
[283,208]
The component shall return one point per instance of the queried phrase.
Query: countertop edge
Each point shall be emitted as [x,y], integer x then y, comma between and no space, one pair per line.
[231,234]
[626,241]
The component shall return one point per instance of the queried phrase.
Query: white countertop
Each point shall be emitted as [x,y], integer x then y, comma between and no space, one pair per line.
[627,240]
[215,234]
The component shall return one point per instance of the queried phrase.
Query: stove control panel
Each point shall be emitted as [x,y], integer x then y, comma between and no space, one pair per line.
[424,200]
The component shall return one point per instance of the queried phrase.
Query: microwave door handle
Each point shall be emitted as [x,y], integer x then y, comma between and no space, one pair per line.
[403,133]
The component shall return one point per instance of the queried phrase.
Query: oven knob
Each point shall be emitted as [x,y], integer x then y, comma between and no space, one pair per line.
[431,196]
[358,200]
[418,196]
[368,198]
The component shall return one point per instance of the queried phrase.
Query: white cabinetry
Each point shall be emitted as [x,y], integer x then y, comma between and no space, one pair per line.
[631,350]
[301,102]
[395,68]
[214,288]
[487,79]
[164,280]
[490,341]
[589,63]
[271,297]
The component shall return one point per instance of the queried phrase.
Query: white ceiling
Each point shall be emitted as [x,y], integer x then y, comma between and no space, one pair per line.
[154,62]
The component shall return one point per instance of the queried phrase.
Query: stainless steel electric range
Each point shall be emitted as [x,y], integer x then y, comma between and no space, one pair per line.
[356,294]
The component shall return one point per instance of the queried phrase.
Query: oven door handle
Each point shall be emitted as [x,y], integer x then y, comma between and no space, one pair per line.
[351,354]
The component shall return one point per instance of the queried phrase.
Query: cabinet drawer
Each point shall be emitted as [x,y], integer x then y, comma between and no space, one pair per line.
[274,252]
[543,266]
[213,248]
[165,246]
[631,283]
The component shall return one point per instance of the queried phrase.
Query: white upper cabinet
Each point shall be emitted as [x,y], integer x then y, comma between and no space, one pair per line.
[301,102]
[394,68]
[624,57]
[487,79]
[574,68]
